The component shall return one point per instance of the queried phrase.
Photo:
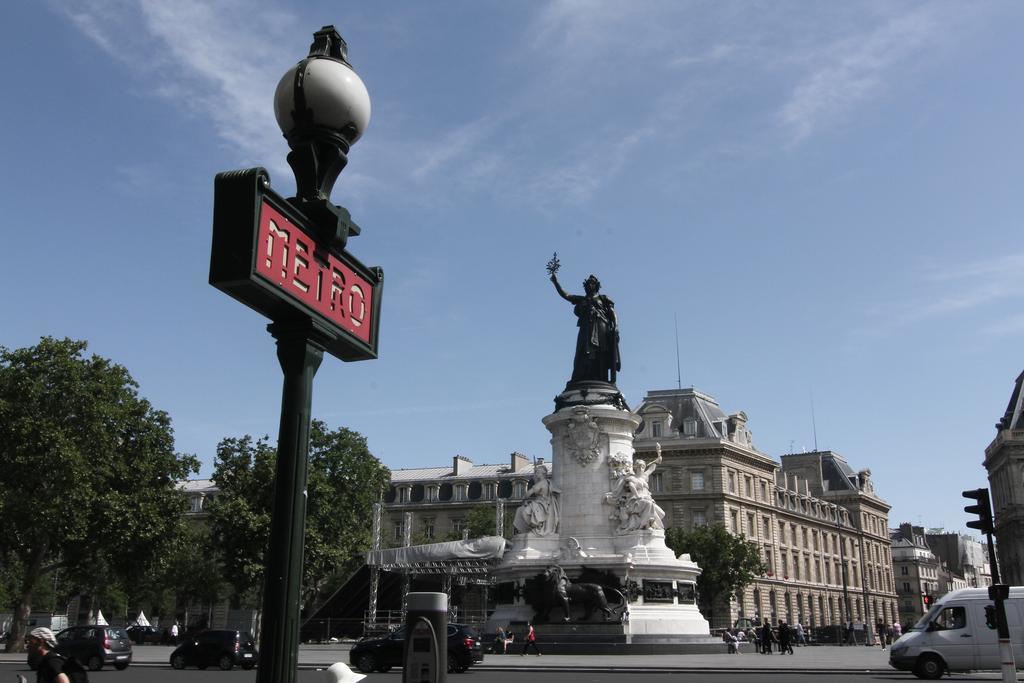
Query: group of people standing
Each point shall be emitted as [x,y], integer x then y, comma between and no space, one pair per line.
[504,638]
[784,635]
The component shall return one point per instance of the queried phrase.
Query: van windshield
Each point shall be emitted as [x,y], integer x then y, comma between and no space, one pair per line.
[923,622]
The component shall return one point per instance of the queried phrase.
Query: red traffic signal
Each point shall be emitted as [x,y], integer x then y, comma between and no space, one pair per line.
[983,509]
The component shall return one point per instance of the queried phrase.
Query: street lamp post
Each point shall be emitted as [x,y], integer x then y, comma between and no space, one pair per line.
[286,258]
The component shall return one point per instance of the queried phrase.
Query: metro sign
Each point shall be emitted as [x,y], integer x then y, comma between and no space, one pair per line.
[266,255]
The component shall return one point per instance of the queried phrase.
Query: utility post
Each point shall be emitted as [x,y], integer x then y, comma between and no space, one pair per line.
[997,592]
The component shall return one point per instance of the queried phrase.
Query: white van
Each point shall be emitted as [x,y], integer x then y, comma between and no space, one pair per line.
[953,636]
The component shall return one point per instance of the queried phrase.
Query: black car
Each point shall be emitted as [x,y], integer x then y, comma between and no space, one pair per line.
[380,654]
[141,635]
[96,646]
[216,648]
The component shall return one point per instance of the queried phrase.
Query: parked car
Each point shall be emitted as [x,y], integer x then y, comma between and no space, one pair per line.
[141,635]
[225,649]
[96,646]
[380,654]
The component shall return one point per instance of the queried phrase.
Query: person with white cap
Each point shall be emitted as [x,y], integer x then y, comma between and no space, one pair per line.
[51,664]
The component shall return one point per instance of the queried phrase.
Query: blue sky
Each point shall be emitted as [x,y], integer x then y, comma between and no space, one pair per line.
[825,195]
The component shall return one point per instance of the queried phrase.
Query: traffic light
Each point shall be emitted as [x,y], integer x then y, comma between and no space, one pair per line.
[983,509]
[927,600]
[990,616]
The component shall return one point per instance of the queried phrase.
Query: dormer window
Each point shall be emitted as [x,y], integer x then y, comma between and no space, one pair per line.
[519,489]
[689,427]
[460,492]
[489,490]
[656,429]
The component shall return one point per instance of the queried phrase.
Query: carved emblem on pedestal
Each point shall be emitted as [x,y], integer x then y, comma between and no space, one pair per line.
[582,437]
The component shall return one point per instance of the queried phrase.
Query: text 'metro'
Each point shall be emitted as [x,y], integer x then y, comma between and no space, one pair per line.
[265,255]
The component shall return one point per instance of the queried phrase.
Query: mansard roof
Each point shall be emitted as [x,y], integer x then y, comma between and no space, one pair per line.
[1012,417]
[837,474]
[688,404]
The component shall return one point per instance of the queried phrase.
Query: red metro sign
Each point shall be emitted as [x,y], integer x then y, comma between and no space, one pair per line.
[265,255]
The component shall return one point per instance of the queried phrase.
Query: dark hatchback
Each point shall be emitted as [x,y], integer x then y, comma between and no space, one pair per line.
[380,654]
[96,646]
[225,649]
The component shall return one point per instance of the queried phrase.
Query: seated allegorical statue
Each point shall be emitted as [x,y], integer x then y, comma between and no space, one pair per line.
[539,512]
[635,508]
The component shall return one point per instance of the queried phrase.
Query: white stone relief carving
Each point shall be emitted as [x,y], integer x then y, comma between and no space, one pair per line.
[582,437]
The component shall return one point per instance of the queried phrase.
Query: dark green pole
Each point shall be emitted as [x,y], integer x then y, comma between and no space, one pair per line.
[300,353]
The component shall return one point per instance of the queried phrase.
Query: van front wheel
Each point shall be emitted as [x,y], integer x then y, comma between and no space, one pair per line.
[929,667]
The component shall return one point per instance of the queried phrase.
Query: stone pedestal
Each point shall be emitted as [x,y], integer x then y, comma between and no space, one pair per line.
[592,441]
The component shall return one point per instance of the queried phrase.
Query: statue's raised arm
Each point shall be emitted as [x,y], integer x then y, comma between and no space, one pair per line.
[561,292]
[654,463]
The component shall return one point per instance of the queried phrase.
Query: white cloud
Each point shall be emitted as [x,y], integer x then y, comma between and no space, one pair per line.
[219,61]
[945,290]
[853,69]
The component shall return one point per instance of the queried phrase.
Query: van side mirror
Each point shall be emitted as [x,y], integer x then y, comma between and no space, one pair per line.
[932,626]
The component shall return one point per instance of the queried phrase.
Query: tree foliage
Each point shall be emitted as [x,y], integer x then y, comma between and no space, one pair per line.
[89,474]
[482,520]
[728,563]
[343,482]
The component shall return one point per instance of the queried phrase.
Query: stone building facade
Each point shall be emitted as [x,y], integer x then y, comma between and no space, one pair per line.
[962,556]
[1004,461]
[440,498]
[917,572]
[819,523]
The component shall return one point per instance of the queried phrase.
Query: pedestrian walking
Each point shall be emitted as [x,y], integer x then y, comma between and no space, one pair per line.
[800,634]
[766,637]
[174,633]
[880,630]
[51,665]
[897,631]
[530,640]
[785,638]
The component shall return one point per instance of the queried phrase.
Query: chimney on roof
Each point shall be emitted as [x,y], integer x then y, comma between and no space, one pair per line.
[519,461]
[461,465]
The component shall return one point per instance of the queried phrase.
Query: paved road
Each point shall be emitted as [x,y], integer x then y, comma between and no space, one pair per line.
[159,674]
[809,663]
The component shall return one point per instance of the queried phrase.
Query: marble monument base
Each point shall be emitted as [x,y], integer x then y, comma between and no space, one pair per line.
[651,593]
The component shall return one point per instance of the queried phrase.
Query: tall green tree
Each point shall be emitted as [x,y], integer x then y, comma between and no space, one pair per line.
[88,482]
[482,520]
[343,482]
[728,562]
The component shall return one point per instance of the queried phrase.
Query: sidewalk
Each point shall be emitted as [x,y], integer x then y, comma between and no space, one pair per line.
[824,658]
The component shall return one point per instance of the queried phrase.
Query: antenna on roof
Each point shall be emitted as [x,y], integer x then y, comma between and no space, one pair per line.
[814,424]
[679,374]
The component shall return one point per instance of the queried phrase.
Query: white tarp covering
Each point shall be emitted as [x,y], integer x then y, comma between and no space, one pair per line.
[142,620]
[100,621]
[486,548]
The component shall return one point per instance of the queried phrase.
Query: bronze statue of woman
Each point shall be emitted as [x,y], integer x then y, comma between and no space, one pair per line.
[597,344]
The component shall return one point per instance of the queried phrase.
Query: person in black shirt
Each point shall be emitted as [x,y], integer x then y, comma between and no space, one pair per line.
[785,638]
[51,665]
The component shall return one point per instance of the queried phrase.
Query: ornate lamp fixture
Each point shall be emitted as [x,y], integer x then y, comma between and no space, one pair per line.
[322,108]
